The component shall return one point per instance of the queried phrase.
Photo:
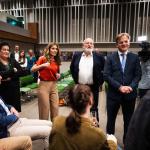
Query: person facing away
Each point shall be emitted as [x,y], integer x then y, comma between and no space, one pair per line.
[138,135]
[77,131]
[87,68]
[48,67]
[122,72]
[144,55]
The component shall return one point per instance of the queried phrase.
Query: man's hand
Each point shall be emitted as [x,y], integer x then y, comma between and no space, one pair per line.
[14,111]
[125,89]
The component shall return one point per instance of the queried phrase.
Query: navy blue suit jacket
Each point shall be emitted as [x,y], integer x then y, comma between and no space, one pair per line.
[5,120]
[98,66]
[115,77]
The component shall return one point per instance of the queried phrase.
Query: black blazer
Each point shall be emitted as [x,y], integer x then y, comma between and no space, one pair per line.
[98,66]
[115,77]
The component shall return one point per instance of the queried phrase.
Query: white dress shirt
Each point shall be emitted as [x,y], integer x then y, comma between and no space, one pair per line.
[16,56]
[86,69]
[125,55]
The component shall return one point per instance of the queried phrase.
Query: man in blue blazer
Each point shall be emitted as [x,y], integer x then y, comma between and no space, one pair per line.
[122,72]
[87,68]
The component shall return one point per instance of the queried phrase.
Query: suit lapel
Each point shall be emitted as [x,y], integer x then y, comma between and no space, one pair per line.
[118,60]
[127,61]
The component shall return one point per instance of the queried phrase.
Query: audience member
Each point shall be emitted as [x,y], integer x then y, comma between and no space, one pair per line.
[48,67]
[78,131]
[16,143]
[87,68]
[10,71]
[31,60]
[22,59]
[122,72]
[15,53]
[144,54]
[138,135]
[12,125]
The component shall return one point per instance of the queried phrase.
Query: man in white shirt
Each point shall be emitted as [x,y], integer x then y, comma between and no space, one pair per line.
[15,53]
[87,68]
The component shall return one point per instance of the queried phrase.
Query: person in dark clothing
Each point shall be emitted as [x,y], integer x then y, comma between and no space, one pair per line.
[87,68]
[138,135]
[10,71]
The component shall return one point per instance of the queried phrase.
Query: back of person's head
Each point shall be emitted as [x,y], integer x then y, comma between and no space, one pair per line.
[144,54]
[138,135]
[79,98]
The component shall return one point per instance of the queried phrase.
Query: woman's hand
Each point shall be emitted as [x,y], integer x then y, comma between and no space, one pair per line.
[46,64]
[58,75]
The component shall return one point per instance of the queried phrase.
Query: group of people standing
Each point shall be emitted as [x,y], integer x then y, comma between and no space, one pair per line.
[121,71]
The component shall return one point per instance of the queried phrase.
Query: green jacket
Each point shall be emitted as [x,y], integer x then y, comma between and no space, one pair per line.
[88,137]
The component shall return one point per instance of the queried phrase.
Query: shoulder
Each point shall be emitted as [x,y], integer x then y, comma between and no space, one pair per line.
[59,121]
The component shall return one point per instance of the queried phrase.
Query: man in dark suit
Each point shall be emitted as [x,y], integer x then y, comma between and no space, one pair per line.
[87,68]
[122,72]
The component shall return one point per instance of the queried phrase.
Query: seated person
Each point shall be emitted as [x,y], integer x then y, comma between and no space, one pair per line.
[78,131]
[23,143]
[138,135]
[11,125]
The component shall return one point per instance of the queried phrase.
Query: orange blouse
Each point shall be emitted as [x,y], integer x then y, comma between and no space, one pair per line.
[47,73]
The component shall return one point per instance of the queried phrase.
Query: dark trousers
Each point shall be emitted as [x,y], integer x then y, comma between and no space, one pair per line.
[142,92]
[112,111]
[95,91]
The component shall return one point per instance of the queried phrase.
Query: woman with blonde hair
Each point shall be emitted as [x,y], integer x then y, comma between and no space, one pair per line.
[48,67]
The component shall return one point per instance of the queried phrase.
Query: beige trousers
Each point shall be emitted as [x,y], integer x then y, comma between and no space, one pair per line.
[35,128]
[48,100]
[16,143]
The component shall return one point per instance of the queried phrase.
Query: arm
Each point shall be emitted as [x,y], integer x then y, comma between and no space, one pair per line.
[5,120]
[39,67]
[137,74]
[108,74]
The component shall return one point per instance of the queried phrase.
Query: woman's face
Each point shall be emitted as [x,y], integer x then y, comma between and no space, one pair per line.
[54,50]
[22,53]
[4,52]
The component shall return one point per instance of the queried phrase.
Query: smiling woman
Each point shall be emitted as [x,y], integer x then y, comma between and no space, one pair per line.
[48,67]
[10,71]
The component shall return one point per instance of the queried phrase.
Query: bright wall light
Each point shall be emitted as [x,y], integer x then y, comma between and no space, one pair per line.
[142,38]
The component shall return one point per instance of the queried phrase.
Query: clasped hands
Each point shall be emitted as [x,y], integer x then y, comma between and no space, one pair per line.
[125,89]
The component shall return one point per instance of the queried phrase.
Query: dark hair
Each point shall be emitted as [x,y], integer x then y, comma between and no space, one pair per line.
[138,135]
[79,97]
[20,57]
[144,54]
[57,57]
[4,44]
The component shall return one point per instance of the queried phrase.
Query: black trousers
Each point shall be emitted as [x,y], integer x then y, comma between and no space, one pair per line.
[112,111]
[95,91]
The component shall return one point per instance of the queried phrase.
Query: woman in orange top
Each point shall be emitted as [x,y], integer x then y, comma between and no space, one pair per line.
[48,67]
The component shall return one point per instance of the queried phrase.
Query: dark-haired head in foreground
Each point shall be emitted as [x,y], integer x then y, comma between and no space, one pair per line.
[138,135]
[77,131]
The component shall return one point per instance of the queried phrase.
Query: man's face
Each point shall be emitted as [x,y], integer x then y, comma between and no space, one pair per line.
[123,44]
[16,48]
[88,45]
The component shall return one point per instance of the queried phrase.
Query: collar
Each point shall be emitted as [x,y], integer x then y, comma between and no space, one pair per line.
[126,52]
[83,54]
